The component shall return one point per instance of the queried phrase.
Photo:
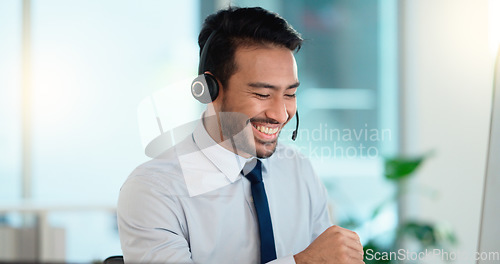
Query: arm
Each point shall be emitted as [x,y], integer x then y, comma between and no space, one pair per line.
[331,244]
[150,225]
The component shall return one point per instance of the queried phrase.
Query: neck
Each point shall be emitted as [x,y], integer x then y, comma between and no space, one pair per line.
[212,122]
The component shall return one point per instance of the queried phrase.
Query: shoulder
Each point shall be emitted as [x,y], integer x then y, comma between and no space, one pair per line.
[161,175]
[293,167]
[289,154]
[290,163]
[297,167]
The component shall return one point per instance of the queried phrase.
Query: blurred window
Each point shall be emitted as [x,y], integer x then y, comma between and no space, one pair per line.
[93,62]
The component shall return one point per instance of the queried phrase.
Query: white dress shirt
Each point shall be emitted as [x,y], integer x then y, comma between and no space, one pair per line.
[192,205]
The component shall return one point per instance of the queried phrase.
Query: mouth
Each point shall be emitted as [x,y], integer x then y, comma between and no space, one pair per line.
[266,131]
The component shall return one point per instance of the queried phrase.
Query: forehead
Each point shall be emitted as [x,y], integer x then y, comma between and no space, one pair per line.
[266,62]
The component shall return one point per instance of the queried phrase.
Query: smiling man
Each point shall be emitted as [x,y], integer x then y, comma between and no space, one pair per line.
[262,88]
[230,193]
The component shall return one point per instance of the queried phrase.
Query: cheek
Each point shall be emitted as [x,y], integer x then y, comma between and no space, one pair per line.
[244,104]
[291,108]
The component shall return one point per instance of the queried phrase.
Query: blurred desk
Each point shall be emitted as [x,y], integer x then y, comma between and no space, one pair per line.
[40,211]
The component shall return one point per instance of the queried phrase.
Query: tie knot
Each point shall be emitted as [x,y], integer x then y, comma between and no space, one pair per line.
[255,175]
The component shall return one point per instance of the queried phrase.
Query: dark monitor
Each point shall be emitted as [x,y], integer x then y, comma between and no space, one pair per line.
[489,233]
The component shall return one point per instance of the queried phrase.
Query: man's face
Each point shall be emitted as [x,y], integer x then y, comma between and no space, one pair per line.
[262,88]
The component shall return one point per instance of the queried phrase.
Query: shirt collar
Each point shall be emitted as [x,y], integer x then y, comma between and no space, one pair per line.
[229,163]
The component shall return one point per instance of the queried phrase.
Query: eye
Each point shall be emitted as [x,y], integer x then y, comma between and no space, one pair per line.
[290,95]
[262,95]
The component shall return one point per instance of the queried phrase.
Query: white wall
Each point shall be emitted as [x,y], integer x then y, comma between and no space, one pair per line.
[447,74]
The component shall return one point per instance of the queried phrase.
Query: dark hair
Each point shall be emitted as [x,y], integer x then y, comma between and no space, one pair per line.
[242,27]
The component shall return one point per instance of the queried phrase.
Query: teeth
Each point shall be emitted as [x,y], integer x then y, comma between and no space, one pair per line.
[266,130]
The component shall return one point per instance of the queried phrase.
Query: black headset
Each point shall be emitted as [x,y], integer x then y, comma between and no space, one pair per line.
[205,87]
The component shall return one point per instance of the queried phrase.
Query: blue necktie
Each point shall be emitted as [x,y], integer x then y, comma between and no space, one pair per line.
[267,248]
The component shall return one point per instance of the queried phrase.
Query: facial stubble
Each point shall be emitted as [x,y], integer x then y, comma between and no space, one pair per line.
[239,130]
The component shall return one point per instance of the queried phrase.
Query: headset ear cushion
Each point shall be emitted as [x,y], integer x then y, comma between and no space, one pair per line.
[213,86]
[205,88]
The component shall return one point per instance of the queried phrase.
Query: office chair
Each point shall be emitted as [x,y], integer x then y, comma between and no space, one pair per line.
[113,260]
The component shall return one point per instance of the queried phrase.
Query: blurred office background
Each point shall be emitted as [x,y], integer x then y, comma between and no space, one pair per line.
[379,78]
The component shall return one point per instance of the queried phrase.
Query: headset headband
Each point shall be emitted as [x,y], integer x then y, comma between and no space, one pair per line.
[204,52]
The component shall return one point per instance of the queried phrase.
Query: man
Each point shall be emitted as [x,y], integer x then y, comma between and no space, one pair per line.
[199,202]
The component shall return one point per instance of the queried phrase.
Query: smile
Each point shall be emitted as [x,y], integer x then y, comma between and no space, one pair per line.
[266,130]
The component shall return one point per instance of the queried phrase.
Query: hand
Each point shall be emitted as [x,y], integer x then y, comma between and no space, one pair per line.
[336,245]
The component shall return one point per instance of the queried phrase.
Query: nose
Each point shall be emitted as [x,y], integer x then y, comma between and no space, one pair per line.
[278,111]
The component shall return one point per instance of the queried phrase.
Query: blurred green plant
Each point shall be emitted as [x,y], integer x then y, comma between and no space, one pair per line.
[423,235]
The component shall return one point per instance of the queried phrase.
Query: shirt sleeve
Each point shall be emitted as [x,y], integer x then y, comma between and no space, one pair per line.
[284,260]
[150,225]
[320,217]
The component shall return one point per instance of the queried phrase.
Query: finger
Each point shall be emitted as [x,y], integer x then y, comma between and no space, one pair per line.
[354,257]
[353,235]
[355,245]
[354,240]
[350,239]
[356,248]
[347,232]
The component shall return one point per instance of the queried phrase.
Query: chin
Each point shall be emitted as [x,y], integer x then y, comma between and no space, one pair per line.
[265,150]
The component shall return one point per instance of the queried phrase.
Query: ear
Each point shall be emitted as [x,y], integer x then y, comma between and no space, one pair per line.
[216,88]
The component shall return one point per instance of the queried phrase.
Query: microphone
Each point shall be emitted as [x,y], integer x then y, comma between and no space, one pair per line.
[294,134]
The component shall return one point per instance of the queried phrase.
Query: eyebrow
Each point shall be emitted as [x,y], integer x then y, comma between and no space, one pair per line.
[270,86]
